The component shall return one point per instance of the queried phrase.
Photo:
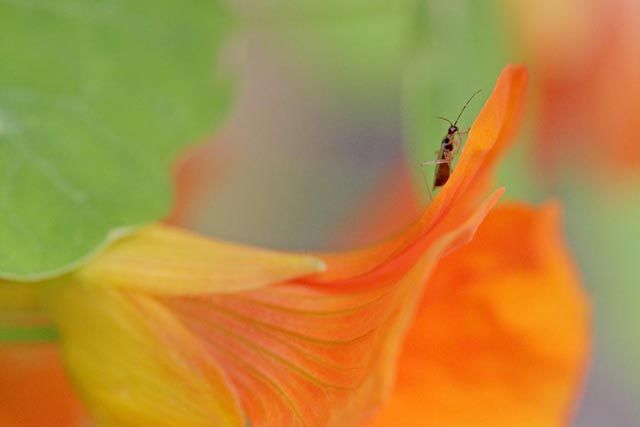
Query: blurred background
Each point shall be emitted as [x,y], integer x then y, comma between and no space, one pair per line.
[335,108]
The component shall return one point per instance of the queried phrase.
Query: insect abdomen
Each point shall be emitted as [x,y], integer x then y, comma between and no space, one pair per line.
[443,171]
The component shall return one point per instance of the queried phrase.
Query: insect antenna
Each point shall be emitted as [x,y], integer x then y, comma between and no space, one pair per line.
[465,106]
[446,120]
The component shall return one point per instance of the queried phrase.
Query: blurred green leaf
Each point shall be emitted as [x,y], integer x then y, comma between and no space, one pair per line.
[96,98]
[604,231]
[355,49]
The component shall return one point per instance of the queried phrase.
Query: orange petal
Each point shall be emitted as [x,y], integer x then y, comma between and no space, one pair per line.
[490,135]
[34,391]
[588,94]
[502,333]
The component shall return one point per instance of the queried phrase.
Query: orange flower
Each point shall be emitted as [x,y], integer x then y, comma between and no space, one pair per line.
[501,333]
[588,81]
[166,328]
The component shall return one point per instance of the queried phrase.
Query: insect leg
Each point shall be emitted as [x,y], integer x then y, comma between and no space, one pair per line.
[434,162]
[429,163]
[457,142]
[426,183]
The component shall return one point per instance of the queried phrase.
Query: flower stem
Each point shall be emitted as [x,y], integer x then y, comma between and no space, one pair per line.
[27,334]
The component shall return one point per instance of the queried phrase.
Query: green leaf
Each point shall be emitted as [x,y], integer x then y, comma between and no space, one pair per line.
[96,99]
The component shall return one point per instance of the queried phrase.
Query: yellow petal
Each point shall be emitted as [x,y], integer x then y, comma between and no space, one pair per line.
[125,374]
[165,260]
[134,361]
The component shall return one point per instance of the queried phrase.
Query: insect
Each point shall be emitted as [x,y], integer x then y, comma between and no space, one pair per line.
[449,146]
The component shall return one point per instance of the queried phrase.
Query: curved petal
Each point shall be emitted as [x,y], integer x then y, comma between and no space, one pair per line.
[164,320]
[320,353]
[490,134]
[501,336]
[166,260]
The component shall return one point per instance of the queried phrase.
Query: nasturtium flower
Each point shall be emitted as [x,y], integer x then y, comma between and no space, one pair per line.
[587,82]
[168,328]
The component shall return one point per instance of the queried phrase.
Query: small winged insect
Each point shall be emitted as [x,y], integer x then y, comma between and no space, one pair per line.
[449,146]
